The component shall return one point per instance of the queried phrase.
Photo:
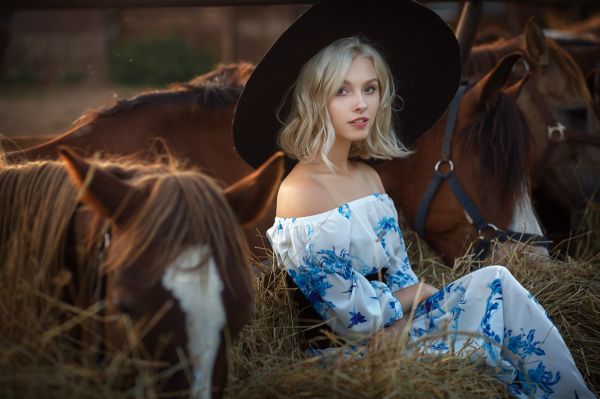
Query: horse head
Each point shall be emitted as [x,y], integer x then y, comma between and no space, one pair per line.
[562,116]
[487,155]
[177,264]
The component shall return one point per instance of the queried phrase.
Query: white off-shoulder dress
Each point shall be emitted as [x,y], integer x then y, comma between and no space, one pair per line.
[329,256]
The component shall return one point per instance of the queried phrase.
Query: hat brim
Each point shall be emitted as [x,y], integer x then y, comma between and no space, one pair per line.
[421,50]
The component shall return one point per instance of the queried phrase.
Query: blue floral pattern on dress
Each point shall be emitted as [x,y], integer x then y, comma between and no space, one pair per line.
[344,210]
[356,318]
[386,224]
[330,255]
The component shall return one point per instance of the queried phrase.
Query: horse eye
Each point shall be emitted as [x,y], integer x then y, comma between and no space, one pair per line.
[126,305]
[578,113]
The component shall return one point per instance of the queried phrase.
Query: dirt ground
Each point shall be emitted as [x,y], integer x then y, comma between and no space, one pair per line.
[50,110]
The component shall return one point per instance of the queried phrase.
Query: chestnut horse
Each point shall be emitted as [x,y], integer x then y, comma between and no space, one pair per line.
[179,122]
[193,119]
[487,154]
[175,261]
[565,127]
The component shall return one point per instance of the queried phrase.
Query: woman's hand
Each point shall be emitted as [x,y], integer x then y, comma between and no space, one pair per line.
[408,296]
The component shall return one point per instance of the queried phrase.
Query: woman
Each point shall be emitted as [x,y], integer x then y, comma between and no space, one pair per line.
[336,232]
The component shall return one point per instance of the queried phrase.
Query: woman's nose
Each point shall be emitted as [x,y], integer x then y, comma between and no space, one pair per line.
[360,103]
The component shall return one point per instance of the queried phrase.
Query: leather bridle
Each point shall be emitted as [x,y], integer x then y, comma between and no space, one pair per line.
[556,132]
[487,232]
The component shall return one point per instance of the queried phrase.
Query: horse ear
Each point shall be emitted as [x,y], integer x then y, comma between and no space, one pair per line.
[535,40]
[250,196]
[514,90]
[493,81]
[107,194]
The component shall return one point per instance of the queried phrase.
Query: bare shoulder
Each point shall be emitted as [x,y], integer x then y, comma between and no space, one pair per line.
[372,176]
[302,195]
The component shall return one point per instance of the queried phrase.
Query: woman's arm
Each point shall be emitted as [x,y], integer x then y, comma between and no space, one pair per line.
[408,296]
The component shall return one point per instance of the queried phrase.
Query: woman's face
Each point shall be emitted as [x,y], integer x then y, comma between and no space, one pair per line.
[353,107]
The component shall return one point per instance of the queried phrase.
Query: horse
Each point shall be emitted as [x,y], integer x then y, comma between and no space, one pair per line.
[487,155]
[561,115]
[158,243]
[193,119]
[215,153]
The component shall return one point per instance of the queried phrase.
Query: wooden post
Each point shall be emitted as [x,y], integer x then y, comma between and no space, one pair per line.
[229,35]
[467,28]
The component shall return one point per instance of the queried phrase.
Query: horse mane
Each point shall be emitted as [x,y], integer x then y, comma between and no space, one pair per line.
[501,138]
[38,203]
[216,89]
[184,207]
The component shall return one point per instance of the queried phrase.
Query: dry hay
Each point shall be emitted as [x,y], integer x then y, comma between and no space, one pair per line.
[40,356]
[268,361]
[51,349]
[587,242]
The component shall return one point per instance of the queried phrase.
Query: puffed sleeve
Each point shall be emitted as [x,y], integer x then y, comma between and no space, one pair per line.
[399,273]
[315,253]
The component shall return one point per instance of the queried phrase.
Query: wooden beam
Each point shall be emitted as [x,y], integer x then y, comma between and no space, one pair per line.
[40,4]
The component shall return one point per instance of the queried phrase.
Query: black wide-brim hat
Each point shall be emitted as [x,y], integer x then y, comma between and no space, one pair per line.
[420,49]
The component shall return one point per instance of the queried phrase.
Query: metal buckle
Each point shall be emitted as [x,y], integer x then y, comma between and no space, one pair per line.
[522,62]
[441,162]
[557,132]
[106,240]
[489,226]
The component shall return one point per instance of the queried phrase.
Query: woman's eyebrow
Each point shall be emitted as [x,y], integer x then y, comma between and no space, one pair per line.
[345,82]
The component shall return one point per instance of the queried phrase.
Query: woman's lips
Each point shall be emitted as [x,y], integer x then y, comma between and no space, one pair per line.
[359,122]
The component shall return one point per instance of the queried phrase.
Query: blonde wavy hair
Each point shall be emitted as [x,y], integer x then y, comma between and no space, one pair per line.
[308,133]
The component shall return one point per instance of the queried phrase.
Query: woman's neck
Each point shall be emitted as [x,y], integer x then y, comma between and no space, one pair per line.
[338,155]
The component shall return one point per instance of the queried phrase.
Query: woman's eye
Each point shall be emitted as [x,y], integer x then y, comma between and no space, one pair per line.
[370,89]
[341,91]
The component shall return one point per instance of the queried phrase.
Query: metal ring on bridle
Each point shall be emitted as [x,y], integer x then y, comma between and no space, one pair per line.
[525,64]
[556,132]
[106,240]
[441,162]
[489,226]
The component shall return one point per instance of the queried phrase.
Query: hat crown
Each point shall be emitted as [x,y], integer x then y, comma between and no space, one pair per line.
[411,38]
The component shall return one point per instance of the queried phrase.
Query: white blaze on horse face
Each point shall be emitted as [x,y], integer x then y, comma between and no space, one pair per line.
[525,220]
[199,294]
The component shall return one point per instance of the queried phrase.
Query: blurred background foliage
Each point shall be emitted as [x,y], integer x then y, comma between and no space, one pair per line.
[157,61]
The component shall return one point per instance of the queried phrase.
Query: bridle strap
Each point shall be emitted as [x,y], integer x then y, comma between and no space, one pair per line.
[445,158]
[555,130]
[459,192]
[483,245]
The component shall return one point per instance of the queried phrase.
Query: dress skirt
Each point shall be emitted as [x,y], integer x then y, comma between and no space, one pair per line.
[488,315]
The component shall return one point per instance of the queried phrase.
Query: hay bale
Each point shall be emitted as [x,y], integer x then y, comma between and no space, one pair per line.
[40,356]
[267,360]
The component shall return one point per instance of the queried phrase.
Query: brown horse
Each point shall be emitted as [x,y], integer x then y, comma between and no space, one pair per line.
[176,123]
[176,261]
[489,155]
[193,119]
[560,113]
